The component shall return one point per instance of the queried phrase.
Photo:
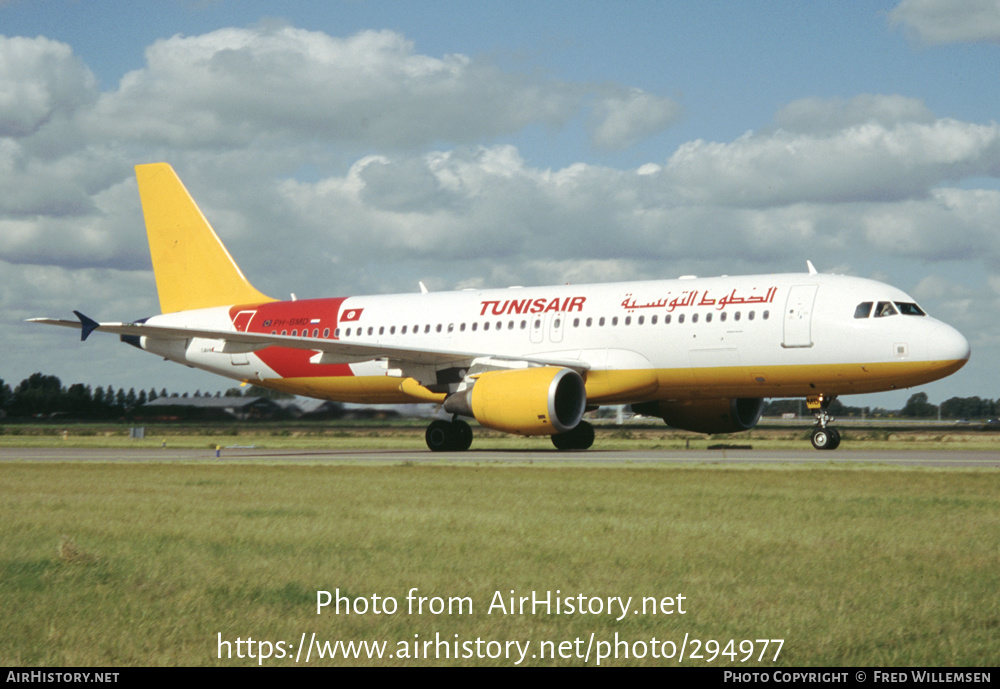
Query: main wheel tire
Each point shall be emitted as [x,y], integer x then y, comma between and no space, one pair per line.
[462,435]
[580,437]
[445,436]
[439,436]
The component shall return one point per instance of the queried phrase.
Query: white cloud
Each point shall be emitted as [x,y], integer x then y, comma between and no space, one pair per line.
[949,21]
[820,115]
[624,119]
[250,86]
[860,163]
[39,79]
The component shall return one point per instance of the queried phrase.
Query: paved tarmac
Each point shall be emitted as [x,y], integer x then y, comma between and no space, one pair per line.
[596,456]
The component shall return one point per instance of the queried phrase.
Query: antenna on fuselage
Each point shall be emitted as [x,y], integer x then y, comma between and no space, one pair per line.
[812,268]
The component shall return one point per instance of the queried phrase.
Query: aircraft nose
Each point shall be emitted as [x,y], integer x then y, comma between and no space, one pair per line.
[947,344]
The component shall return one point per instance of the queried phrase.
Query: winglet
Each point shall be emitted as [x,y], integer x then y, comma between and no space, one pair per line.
[812,269]
[87,325]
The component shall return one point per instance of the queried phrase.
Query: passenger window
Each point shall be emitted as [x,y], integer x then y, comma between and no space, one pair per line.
[885,308]
[863,310]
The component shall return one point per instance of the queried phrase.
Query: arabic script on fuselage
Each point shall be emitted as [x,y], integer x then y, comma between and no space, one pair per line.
[689,298]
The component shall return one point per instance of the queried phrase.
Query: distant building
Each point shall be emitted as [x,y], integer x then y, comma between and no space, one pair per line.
[212,409]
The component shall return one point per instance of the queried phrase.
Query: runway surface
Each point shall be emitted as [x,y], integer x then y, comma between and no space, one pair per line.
[595,457]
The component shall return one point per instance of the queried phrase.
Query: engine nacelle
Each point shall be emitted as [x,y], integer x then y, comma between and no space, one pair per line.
[527,401]
[706,416]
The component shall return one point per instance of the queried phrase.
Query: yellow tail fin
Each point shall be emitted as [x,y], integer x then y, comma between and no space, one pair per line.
[193,269]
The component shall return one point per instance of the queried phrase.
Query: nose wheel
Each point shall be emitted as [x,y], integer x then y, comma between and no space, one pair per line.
[824,437]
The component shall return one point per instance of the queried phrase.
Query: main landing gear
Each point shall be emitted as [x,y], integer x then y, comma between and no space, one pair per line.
[580,437]
[824,437]
[456,436]
[449,436]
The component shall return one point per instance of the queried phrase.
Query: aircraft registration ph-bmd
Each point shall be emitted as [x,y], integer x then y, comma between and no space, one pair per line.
[700,353]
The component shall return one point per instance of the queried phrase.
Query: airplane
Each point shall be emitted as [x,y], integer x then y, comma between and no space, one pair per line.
[700,353]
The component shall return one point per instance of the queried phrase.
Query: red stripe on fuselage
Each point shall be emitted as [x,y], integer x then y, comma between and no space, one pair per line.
[305,318]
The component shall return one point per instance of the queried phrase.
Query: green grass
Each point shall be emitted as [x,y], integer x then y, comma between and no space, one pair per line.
[145,564]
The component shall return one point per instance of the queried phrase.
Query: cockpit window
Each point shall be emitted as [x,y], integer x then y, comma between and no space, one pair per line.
[885,308]
[910,309]
[863,310]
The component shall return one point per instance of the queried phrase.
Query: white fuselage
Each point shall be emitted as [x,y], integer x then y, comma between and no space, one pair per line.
[749,336]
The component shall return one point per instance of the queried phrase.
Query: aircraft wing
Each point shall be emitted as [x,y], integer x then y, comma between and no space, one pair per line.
[327,351]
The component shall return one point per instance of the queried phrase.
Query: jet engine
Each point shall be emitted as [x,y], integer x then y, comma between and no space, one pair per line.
[528,401]
[706,416]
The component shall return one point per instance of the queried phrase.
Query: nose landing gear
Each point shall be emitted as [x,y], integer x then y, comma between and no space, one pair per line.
[824,437]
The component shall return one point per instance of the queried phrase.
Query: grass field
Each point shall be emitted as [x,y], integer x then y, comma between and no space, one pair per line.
[148,564]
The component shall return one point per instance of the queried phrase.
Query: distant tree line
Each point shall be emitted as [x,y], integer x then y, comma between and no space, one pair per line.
[40,395]
[917,407]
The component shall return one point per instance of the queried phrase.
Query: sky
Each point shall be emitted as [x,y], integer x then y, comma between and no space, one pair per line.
[356,147]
